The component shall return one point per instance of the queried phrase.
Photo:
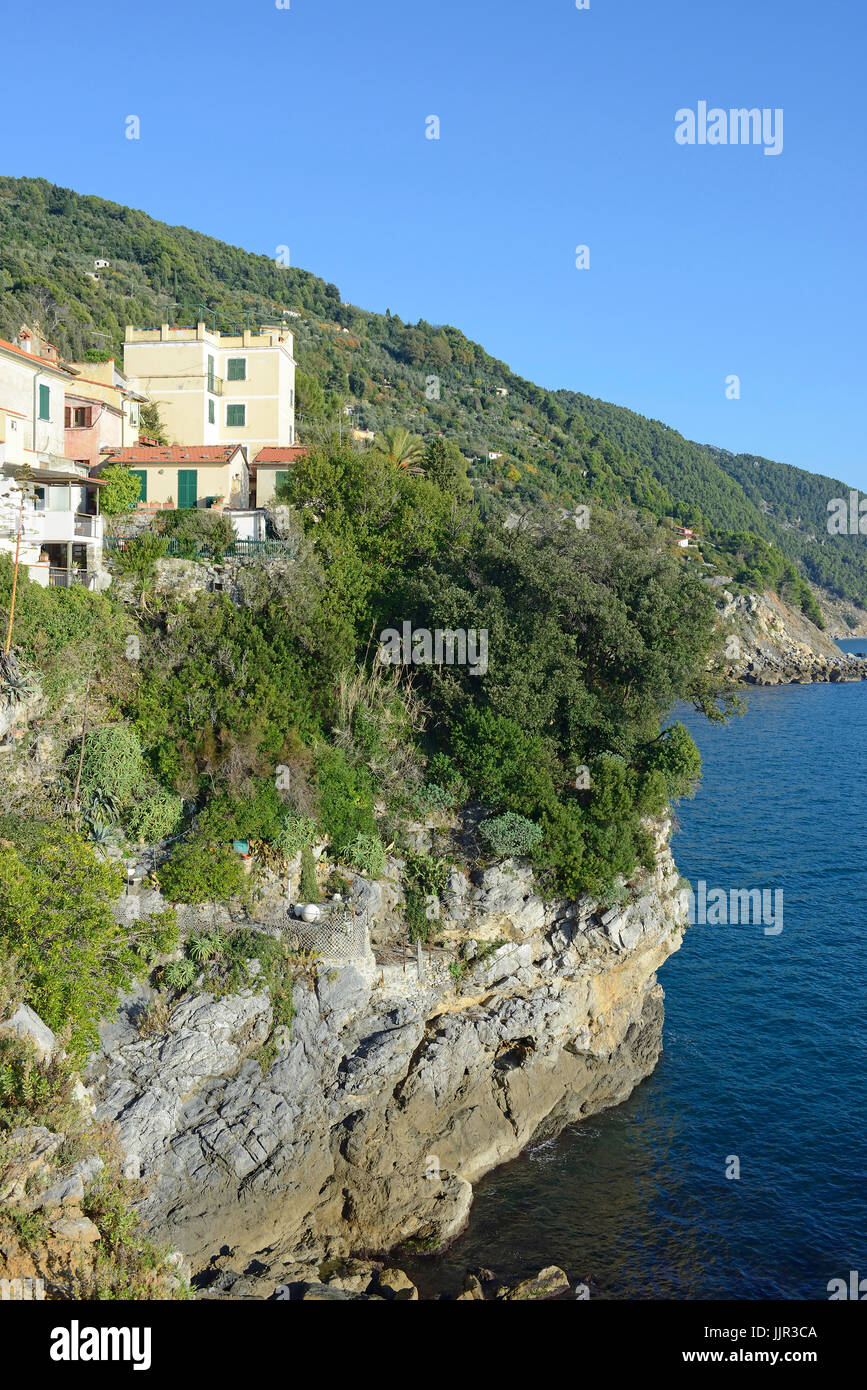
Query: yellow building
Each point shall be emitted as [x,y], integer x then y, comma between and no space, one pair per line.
[269,469]
[201,475]
[215,388]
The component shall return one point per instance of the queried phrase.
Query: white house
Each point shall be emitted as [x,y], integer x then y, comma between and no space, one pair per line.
[48,505]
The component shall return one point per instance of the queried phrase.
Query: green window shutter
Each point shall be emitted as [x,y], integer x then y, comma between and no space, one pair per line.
[45,402]
[236,415]
[210,373]
[236,369]
[188,479]
[280,476]
[142,476]
[210,412]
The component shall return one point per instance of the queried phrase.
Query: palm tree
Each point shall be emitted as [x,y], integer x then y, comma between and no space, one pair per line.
[399,447]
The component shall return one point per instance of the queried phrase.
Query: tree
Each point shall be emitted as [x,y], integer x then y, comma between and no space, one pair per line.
[121,492]
[399,447]
[309,396]
[150,423]
[445,465]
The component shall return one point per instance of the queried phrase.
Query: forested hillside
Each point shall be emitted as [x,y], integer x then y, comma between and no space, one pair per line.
[554,448]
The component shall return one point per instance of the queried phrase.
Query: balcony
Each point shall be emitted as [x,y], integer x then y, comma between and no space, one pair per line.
[49,526]
[66,579]
[214,384]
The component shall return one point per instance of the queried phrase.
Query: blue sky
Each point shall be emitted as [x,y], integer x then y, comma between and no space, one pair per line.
[306,127]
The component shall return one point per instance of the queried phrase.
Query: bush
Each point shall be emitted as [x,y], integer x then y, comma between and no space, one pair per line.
[295,833]
[511,834]
[139,556]
[424,881]
[345,800]
[33,1090]
[113,766]
[200,871]
[156,817]
[194,527]
[56,902]
[308,891]
[367,854]
[257,815]
[121,491]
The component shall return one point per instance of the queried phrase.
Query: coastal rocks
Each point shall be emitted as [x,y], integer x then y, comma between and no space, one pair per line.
[393,1092]
[777,645]
[546,1284]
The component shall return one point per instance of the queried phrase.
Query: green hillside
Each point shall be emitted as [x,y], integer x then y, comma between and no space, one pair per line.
[556,448]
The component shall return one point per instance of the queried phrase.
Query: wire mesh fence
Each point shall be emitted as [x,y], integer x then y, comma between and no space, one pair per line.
[339,935]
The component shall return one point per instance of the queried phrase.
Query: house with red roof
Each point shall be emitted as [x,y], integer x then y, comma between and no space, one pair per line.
[49,507]
[181,475]
[269,468]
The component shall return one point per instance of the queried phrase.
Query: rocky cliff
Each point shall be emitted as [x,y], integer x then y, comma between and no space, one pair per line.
[403,1080]
[771,643]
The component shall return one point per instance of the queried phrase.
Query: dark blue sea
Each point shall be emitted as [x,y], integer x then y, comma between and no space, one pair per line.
[765,1051]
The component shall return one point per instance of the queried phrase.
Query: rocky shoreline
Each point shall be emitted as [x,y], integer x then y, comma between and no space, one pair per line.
[397,1090]
[771,643]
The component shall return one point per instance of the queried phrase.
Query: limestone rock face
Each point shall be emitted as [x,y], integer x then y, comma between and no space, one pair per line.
[776,645]
[397,1090]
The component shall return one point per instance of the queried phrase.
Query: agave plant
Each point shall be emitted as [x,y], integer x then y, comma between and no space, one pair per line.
[15,685]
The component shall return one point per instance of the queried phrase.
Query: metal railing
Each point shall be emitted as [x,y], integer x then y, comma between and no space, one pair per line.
[65,579]
[85,524]
[196,549]
[215,384]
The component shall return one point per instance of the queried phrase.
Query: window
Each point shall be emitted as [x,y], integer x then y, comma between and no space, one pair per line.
[210,373]
[236,415]
[211,414]
[81,417]
[280,476]
[236,369]
[44,403]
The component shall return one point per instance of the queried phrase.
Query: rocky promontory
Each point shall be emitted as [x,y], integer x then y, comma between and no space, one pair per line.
[405,1076]
[771,643]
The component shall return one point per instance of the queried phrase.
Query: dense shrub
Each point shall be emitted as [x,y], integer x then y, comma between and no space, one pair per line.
[194,528]
[157,816]
[367,854]
[308,891]
[200,871]
[295,833]
[511,834]
[345,799]
[56,900]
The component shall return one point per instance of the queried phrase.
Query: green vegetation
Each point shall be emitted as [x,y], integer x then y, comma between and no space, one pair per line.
[200,871]
[55,916]
[121,491]
[308,891]
[510,834]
